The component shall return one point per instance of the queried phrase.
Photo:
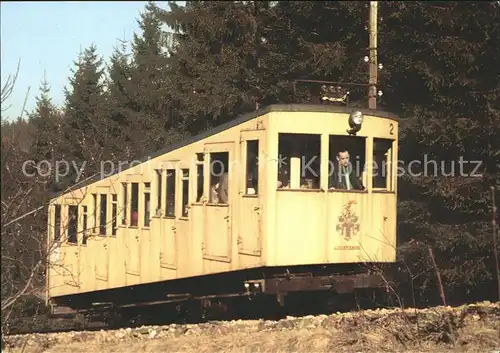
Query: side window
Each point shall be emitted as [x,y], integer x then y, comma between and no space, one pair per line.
[158,190]
[170,202]
[73,224]
[346,162]
[103,213]
[219,177]
[134,207]
[94,225]
[185,192]
[147,204]
[299,161]
[382,161]
[84,226]
[114,211]
[200,176]
[57,222]
[252,168]
[124,204]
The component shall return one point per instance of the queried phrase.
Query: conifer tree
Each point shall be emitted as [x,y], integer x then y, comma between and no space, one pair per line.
[443,80]
[148,76]
[45,120]
[122,108]
[217,64]
[86,124]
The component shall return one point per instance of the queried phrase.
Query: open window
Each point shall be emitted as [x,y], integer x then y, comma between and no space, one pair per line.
[57,222]
[185,192]
[170,201]
[147,204]
[103,213]
[252,168]
[200,176]
[219,177]
[159,180]
[347,158]
[94,206]
[124,203]
[84,225]
[114,211]
[134,205]
[72,224]
[382,162]
[299,160]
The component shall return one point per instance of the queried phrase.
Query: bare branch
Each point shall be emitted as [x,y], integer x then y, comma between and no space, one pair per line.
[8,87]
[10,301]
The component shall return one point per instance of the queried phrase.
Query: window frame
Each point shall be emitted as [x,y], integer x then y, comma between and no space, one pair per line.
[85,223]
[75,224]
[184,181]
[138,205]
[288,165]
[57,222]
[105,213]
[158,210]
[256,166]
[366,170]
[391,169]
[210,176]
[146,190]
[170,184]
[114,214]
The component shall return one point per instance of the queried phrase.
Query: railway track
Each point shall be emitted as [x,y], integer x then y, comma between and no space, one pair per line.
[194,313]
[434,329]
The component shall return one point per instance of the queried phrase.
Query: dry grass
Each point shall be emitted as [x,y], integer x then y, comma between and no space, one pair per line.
[436,330]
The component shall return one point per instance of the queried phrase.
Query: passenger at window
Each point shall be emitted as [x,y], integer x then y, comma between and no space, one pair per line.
[283,176]
[220,190]
[134,219]
[344,176]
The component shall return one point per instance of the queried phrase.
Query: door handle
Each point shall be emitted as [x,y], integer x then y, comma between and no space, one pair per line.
[174,228]
[256,208]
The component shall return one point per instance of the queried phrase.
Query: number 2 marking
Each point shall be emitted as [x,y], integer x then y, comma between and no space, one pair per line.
[391,129]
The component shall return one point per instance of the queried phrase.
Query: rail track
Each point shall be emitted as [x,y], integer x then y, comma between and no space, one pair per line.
[198,312]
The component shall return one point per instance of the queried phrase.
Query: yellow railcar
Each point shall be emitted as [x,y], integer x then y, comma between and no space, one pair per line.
[262,204]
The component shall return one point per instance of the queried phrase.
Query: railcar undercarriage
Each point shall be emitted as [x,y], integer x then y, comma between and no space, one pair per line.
[263,292]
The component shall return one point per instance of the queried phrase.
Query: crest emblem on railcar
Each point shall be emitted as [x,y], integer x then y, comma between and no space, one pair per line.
[348,221]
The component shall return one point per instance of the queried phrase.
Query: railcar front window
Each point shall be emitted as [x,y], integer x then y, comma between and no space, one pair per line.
[347,156]
[299,160]
[382,161]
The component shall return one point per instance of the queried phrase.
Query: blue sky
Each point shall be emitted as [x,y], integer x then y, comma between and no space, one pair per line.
[49,35]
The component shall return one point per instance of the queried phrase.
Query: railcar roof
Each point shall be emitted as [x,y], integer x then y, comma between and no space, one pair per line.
[241,119]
